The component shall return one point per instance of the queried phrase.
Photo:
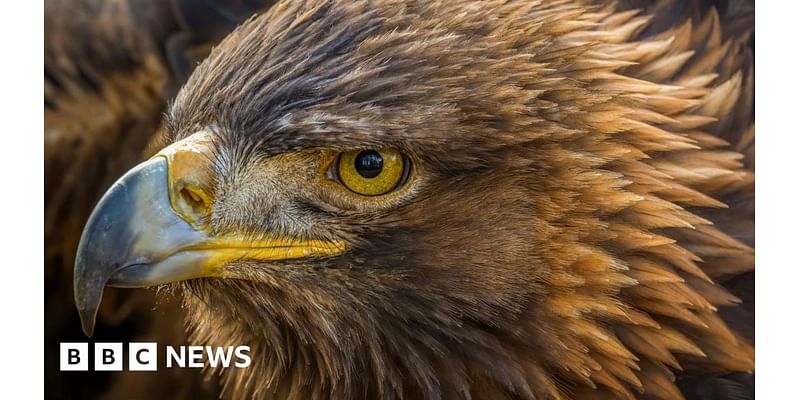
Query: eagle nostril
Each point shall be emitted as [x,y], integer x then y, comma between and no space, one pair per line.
[192,202]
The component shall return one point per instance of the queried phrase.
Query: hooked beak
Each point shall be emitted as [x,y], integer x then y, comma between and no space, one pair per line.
[148,229]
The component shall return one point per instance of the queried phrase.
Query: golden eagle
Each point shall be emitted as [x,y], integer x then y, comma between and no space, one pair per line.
[456,199]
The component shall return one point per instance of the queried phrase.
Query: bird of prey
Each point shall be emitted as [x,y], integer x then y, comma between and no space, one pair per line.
[455,199]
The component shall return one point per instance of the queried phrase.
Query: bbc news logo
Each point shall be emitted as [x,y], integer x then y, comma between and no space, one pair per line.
[144,356]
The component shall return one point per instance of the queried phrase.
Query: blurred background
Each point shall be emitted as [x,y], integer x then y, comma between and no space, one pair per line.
[111,67]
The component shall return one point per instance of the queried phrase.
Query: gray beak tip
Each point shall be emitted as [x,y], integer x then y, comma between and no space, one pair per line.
[87,321]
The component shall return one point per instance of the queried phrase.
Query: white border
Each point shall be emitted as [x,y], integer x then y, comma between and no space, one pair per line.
[22,200]
[777,200]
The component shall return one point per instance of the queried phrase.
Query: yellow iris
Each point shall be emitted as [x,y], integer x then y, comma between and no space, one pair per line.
[371,172]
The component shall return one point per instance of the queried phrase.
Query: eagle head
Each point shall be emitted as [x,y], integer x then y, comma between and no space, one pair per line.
[437,200]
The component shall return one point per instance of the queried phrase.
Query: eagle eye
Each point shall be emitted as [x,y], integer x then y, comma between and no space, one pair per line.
[372,172]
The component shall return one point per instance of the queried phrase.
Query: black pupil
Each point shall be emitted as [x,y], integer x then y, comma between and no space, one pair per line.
[369,163]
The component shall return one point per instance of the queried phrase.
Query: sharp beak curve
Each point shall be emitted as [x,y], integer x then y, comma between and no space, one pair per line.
[131,227]
[147,230]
